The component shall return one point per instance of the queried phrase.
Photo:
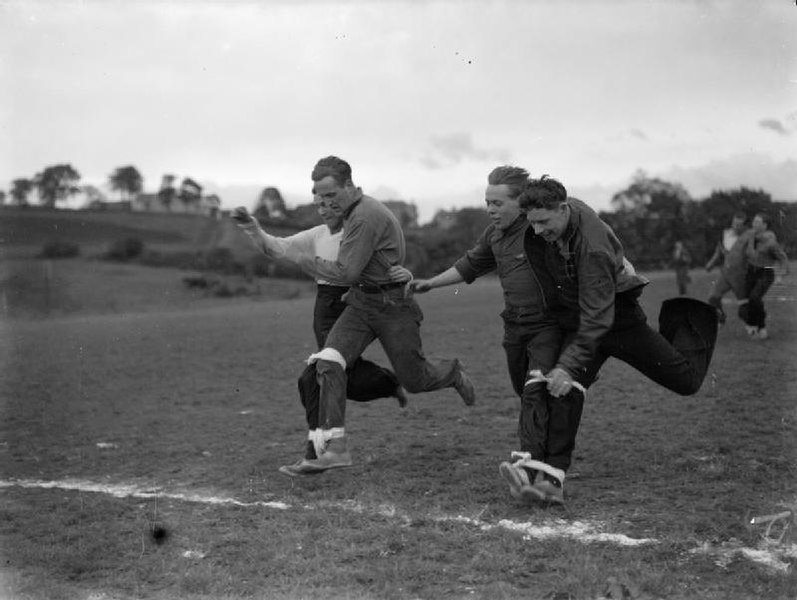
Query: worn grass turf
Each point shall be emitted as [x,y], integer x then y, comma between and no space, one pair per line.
[202,401]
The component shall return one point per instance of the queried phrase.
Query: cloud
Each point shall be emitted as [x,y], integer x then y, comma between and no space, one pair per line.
[753,170]
[639,134]
[452,149]
[774,125]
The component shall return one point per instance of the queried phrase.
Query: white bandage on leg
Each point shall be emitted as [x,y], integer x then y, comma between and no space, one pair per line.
[333,432]
[328,354]
[320,437]
[537,377]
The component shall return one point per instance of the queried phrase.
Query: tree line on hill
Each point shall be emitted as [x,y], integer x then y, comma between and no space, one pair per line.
[649,216]
[58,183]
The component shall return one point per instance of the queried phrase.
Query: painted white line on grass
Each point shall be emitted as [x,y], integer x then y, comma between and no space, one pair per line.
[573,529]
[133,491]
[773,556]
[776,557]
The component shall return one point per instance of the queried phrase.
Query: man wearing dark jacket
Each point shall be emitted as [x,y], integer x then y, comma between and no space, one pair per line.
[593,292]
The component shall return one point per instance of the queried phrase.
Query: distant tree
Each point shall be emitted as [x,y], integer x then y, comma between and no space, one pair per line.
[94,196]
[167,193]
[20,188]
[649,216]
[56,183]
[469,223]
[127,181]
[2,197]
[718,210]
[190,192]
[406,213]
[720,206]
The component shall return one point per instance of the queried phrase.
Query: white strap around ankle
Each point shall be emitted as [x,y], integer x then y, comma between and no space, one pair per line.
[537,376]
[523,459]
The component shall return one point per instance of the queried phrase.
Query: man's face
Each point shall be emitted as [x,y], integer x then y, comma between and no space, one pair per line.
[548,223]
[501,209]
[336,197]
[332,218]
[758,224]
[737,224]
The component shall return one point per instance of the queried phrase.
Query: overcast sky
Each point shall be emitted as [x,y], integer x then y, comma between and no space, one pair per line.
[422,98]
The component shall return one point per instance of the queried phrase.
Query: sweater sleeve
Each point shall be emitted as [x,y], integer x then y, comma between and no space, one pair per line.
[356,250]
[478,260]
[597,289]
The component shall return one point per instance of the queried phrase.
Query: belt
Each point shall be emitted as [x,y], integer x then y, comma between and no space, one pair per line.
[378,289]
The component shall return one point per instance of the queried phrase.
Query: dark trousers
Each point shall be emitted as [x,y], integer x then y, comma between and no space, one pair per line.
[677,357]
[529,347]
[395,321]
[365,380]
[682,279]
[757,283]
[533,348]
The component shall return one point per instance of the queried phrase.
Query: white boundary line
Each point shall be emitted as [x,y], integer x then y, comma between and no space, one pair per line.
[768,554]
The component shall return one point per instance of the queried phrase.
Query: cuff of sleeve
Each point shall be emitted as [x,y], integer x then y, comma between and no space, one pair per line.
[464,268]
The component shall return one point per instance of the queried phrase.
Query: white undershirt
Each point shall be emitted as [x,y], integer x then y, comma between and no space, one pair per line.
[317,241]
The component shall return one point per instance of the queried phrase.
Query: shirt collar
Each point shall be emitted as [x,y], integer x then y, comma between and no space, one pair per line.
[359,197]
[563,243]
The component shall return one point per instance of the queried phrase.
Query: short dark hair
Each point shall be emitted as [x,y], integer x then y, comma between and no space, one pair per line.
[545,192]
[513,177]
[740,214]
[332,166]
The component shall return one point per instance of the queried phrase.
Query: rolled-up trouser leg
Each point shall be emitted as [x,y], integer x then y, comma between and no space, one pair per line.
[309,394]
[541,351]
[533,420]
[332,386]
[564,418]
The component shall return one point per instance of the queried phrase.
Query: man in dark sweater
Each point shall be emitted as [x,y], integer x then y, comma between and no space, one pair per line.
[377,307]
[593,291]
[531,336]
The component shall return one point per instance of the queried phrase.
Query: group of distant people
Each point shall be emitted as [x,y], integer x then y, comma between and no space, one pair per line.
[571,301]
[748,258]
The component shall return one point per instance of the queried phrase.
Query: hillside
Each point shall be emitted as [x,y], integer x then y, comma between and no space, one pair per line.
[24,231]
[31,287]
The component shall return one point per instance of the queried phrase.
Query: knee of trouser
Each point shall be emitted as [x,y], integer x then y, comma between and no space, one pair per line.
[327,367]
[534,392]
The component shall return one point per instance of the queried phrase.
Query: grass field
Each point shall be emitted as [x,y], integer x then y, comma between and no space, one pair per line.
[170,413]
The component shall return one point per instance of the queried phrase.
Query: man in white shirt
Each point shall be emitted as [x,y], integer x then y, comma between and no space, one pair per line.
[365,380]
[730,256]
